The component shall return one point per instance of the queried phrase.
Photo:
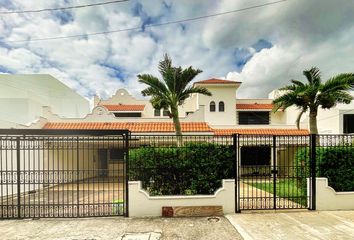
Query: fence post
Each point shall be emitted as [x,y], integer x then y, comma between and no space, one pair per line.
[313,142]
[274,171]
[18,172]
[236,173]
[127,136]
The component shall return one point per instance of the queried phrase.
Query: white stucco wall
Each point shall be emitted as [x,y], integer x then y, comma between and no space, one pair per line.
[23,95]
[143,205]
[328,199]
[220,93]
[122,96]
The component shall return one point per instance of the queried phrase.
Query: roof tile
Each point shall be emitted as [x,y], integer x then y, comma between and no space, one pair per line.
[267,106]
[261,131]
[124,107]
[132,126]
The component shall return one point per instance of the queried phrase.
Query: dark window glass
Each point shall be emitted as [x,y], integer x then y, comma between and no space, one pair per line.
[157,113]
[221,106]
[212,106]
[255,155]
[116,154]
[348,123]
[248,118]
[166,113]
[127,114]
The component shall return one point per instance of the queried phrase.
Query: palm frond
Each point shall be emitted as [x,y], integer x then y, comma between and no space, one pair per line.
[187,75]
[190,90]
[154,83]
[313,76]
[344,81]
[297,83]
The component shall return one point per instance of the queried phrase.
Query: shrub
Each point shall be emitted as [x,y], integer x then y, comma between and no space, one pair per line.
[194,168]
[334,163]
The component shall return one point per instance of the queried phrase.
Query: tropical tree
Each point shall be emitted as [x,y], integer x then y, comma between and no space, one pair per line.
[172,90]
[313,94]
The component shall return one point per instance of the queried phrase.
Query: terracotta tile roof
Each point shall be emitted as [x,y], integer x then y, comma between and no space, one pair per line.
[267,106]
[136,127]
[261,131]
[125,107]
[217,81]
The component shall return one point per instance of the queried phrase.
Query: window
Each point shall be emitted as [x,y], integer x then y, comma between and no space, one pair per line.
[116,155]
[255,156]
[212,106]
[348,123]
[221,106]
[166,113]
[127,114]
[248,118]
[157,113]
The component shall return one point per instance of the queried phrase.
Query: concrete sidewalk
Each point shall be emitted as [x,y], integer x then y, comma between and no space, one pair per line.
[119,228]
[294,225]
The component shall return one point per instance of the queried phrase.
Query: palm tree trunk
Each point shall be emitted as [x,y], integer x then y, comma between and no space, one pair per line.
[313,122]
[176,122]
[298,119]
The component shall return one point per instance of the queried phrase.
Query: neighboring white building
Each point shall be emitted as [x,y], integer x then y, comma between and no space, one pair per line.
[22,97]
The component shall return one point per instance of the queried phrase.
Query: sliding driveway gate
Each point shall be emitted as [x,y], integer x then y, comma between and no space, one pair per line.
[62,173]
[272,172]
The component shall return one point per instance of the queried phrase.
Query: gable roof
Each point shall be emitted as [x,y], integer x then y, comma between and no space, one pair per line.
[137,127]
[124,107]
[262,131]
[217,81]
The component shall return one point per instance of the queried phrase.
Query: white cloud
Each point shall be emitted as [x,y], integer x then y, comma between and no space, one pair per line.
[303,34]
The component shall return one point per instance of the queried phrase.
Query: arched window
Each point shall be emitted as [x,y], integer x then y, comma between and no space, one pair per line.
[212,106]
[221,106]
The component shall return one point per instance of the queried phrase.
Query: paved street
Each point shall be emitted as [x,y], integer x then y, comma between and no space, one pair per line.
[294,225]
[119,228]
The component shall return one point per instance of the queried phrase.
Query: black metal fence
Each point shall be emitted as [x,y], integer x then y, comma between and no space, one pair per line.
[269,175]
[335,160]
[184,165]
[47,173]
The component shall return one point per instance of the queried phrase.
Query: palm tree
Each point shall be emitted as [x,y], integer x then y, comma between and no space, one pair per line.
[173,90]
[314,94]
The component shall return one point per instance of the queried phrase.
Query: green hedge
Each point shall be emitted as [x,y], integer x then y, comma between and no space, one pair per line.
[194,168]
[334,163]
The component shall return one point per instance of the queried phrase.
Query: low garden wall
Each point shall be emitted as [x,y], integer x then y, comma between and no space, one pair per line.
[141,204]
[328,199]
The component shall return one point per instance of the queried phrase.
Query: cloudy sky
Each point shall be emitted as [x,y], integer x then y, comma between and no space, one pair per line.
[262,47]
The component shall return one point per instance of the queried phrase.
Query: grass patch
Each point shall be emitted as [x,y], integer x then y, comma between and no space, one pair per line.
[285,188]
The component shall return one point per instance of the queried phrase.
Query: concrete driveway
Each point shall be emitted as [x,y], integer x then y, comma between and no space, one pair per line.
[294,225]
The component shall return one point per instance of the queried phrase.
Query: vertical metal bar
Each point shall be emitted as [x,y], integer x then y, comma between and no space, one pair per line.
[236,172]
[313,171]
[274,173]
[18,166]
[77,177]
[234,169]
[126,172]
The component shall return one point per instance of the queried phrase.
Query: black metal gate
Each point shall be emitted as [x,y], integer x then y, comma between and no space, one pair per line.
[272,172]
[63,173]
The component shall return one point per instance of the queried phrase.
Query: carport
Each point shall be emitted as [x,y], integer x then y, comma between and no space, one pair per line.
[63,173]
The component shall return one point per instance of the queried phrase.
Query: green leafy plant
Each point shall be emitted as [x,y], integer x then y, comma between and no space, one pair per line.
[194,168]
[335,163]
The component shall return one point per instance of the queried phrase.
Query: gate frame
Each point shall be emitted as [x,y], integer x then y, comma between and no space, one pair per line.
[312,170]
[125,133]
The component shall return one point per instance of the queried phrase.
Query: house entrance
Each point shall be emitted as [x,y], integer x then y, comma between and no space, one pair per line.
[272,172]
[62,173]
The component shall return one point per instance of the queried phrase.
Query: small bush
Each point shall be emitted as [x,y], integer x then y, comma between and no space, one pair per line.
[334,163]
[194,168]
